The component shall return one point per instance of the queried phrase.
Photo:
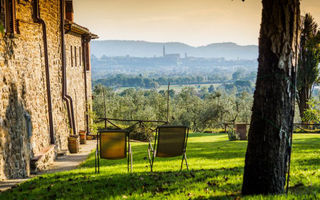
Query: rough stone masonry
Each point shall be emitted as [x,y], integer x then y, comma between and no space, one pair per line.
[24,113]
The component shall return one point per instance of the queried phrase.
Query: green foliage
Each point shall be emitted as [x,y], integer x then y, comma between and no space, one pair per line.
[211,89]
[237,75]
[199,110]
[155,81]
[232,135]
[216,172]
[306,130]
[312,114]
[141,132]
[1,27]
[308,66]
[93,127]
[240,86]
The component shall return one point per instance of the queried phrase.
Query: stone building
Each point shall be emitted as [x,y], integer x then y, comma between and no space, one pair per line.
[45,82]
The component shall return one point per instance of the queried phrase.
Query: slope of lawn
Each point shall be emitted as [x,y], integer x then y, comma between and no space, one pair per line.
[216,173]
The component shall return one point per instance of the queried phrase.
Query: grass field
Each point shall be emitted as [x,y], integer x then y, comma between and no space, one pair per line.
[216,173]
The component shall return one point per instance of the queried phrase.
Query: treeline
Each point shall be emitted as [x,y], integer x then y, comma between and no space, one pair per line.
[123,80]
[197,109]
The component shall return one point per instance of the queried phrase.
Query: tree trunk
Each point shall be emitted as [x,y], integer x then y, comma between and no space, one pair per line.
[303,97]
[274,98]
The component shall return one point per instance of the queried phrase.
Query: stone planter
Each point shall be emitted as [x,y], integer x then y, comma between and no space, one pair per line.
[241,130]
[83,137]
[73,144]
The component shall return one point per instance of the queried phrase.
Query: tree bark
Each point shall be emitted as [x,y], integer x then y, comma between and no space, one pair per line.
[302,97]
[274,99]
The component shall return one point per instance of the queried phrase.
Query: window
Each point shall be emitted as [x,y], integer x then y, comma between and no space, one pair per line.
[71,51]
[87,56]
[69,10]
[2,14]
[8,16]
[75,57]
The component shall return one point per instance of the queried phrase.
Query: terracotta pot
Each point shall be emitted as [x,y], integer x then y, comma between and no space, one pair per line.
[83,137]
[73,144]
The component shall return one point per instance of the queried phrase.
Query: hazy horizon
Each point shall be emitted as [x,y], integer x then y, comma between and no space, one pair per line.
[167,42]
[196,23]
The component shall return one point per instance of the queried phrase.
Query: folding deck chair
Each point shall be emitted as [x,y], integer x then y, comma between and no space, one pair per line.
[113,145]
[170,141]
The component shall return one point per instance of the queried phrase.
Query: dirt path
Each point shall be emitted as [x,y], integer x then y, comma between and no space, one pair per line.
[63,163]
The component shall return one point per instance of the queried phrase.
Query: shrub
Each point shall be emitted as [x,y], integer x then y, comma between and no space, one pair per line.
[214,130]
[141,133]
[232,135]
[304,130]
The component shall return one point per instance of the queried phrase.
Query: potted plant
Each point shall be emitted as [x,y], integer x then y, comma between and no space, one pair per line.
[83,137]
[73,143]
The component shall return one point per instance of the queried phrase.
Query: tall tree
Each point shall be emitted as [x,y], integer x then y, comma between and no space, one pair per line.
[309,55]
[274,99]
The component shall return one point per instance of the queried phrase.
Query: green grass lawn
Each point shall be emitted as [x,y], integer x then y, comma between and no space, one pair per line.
[216,173]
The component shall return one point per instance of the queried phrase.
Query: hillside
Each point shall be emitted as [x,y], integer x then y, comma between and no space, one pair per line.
[228,50]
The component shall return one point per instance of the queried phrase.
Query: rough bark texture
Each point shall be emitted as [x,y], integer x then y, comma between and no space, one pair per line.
[273,109]
[304,94]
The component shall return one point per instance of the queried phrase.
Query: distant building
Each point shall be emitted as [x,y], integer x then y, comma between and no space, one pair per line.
[172,56]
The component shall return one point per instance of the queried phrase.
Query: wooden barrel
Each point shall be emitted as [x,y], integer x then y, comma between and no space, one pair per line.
[83,137]
[73,144]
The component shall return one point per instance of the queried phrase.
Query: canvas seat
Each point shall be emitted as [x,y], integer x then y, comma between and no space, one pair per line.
[113,145]
[170,141]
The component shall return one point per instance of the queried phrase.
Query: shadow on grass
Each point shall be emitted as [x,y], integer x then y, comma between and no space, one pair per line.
[309,162]
[87,185]
[295,192]
[218,151]
[221,181]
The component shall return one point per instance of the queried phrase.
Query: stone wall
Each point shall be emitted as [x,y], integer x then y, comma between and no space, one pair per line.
[75,78]
[23,93]
[24,122]
[50,12]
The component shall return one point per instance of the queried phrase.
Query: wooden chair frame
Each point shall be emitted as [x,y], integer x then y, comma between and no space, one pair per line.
[128,150]
[152,150]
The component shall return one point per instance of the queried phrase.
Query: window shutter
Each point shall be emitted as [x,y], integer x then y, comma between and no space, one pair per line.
[69,10]
[88,61]
[75,57]
[11,24]
[2,13]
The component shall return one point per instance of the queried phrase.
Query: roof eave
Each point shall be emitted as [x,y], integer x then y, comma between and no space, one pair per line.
[77,29]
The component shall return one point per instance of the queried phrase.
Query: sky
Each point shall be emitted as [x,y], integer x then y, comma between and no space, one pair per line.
[194,22]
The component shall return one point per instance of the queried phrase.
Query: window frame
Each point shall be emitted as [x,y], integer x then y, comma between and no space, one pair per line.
[87,56]
[10,21]
[80,56]
[71,52]
[75,57]
[69,10]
